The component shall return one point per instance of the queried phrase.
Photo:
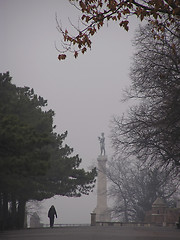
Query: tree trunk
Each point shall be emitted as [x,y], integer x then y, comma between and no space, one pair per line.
[4,211]
[13,211]
[125,211]
[21,213]
[1,210]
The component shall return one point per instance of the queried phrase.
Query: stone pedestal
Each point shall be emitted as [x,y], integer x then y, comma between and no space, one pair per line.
[101,210]
[93,219]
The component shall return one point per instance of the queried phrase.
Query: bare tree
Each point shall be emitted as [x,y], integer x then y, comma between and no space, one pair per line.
[135,187]
[151,129]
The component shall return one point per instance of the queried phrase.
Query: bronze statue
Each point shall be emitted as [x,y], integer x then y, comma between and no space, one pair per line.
[102,144]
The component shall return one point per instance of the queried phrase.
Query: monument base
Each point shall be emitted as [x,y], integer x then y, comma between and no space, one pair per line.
[102,214]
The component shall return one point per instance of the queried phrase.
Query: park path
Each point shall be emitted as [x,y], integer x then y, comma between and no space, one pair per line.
[93,233]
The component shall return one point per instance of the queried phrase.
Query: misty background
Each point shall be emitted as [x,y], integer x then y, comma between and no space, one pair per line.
[85,92]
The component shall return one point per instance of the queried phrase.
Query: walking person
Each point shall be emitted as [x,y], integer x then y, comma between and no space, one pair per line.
[51,214]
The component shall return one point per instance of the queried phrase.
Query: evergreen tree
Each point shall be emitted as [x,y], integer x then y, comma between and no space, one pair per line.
[34,164]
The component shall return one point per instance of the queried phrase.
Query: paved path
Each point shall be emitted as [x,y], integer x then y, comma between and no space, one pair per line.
[94,233]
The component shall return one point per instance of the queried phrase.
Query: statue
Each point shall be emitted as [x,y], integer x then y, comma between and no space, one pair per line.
[102,143]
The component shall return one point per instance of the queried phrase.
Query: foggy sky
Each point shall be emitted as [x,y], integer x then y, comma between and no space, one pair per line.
[84,93]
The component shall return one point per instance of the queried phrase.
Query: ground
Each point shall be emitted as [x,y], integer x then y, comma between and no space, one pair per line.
[94,233]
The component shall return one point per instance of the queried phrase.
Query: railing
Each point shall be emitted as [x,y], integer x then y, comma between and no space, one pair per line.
[67,225]
[132,224]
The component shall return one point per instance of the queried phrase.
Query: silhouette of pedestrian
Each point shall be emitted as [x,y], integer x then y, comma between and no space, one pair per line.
[51,214]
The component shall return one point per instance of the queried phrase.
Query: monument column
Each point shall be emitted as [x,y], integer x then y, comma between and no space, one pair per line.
[101,210]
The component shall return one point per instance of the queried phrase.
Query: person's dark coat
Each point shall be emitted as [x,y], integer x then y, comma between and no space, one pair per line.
[51,214]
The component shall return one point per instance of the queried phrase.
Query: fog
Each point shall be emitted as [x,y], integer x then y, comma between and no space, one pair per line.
[84,93]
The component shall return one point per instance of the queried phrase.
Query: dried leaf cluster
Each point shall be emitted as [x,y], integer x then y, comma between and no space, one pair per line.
[95,12]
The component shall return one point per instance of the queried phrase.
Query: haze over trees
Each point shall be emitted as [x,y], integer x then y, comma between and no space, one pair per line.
[155,74]
[146,139]
[35,164]
[151,128]
[149,133]
[134,187]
